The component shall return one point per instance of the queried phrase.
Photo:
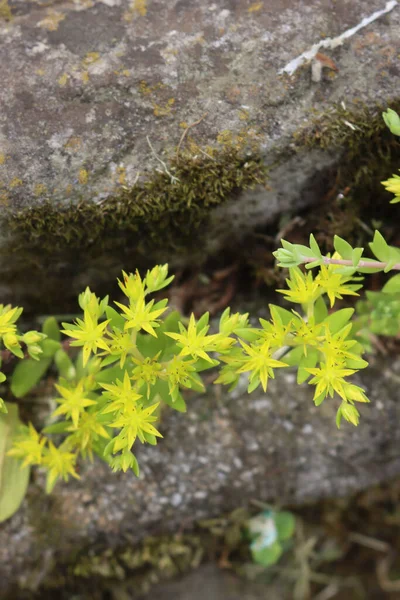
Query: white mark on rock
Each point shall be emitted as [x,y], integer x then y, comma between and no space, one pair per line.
[58,140]
[307,429]
[176,499]
[38,48]
[261,404]
[111,2]
[237,462]
[331,43]
[91,116]
[200,495]
[288,425]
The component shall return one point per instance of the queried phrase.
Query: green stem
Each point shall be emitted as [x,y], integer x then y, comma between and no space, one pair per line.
[363,264]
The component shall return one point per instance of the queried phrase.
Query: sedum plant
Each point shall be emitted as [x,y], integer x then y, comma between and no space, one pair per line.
[133,358]
[137,357]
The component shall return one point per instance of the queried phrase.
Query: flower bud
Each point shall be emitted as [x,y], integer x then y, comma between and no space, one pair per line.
[32,337]
[10,340]
[350,413]
[34,350]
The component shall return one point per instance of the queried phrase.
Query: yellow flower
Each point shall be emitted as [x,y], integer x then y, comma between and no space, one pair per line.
[135,423]
[120,345]
[73,402]
[87,333]
[393,185]
[8,316]
[122,395]
[260,362]
[59,463]
[197,343]
[329,378]
[336,347]
[306,333]
[147,371]
[335,285]
[29,447]
[88,432]
[140,315]
[303,289]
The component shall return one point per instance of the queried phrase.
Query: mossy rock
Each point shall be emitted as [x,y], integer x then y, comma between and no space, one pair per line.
[160,132]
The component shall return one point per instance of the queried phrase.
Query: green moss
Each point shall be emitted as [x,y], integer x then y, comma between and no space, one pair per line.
[157,559]
[370,151]
[51,244]
[158,213]
[370,154]
[5,10]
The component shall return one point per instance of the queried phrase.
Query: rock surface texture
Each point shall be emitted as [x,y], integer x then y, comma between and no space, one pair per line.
[226,451]
[99,171]
[96,95]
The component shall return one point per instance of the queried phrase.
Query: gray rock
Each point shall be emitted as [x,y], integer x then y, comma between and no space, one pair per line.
[212,583]
[226,451]
[93,90]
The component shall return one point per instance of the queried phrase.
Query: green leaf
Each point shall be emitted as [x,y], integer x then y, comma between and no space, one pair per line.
[343,248]
[356,256]
[171,322]
[27,374]
[115,318]
[179,404]
[315,263]
[268,556]
[110,375]
[109,360]
[307,362]
[285,524]
[64,364]
[314,247]
[202,365]
[380,248]
[319,399]
[135,466]
[249,334]
[339,417]
[150,439]
[49,347]
[337,320]
[293,358]
[51,329]
[390,264]
[392,121]
[202,322]
[253,385]
[320,310]
[196,383]
[285,315]
[59,427]
[352,363]
[161,389]
[392,286]
[13,479]
[149,345]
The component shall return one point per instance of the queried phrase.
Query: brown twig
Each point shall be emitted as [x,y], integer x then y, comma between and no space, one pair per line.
[184,134]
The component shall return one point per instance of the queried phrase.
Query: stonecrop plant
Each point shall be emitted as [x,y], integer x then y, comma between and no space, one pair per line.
[134,357]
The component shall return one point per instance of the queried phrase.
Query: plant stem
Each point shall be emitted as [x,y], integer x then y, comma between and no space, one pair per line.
[348,263]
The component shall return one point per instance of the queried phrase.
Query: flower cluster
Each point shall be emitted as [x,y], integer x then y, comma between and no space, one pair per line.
[15,342]
[137,357]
